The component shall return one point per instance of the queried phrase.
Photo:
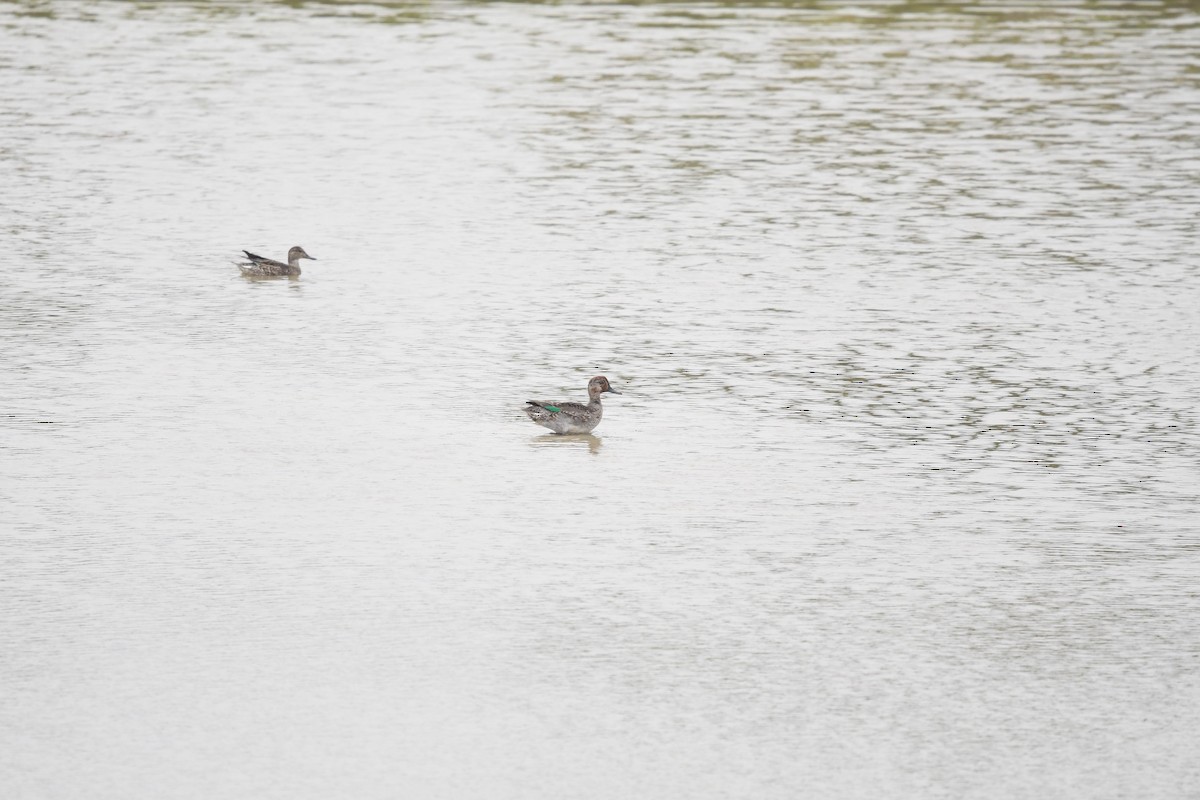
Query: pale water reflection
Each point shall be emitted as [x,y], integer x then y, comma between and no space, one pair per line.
[900,500]
[590,440]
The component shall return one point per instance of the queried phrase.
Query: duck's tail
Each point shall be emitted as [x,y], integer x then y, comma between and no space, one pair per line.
[538,411]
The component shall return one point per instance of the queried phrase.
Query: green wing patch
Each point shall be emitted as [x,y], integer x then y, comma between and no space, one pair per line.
[551,408]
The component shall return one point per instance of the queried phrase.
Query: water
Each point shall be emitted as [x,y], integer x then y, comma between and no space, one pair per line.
[900,499]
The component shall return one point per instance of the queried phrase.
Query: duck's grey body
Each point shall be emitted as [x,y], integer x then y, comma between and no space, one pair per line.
[270,268]
[571,417]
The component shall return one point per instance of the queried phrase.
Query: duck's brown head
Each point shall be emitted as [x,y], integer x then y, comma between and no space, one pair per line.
[297,253]
[598,385]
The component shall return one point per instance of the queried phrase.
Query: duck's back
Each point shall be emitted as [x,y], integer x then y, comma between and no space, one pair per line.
[268,267]
[565,417]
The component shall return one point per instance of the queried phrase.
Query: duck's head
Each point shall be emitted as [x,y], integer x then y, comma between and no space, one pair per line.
[297,253]
[598,385]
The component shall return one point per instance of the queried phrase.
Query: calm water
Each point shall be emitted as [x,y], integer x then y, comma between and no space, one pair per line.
[902,498]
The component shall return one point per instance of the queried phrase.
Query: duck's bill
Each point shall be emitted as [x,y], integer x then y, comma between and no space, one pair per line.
[614,391]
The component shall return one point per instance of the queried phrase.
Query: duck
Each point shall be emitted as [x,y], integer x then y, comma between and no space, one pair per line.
[266,267]
[571,417]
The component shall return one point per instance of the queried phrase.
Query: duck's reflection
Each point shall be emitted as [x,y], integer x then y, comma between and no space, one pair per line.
[292,280]
[569,440]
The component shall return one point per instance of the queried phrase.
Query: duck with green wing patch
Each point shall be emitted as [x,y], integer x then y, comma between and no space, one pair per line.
[572,417]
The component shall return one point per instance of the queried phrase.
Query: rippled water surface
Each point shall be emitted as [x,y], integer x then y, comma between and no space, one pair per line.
[902,499]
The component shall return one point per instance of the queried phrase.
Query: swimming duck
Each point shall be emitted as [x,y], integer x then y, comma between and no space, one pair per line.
[266,267]
[571,417]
